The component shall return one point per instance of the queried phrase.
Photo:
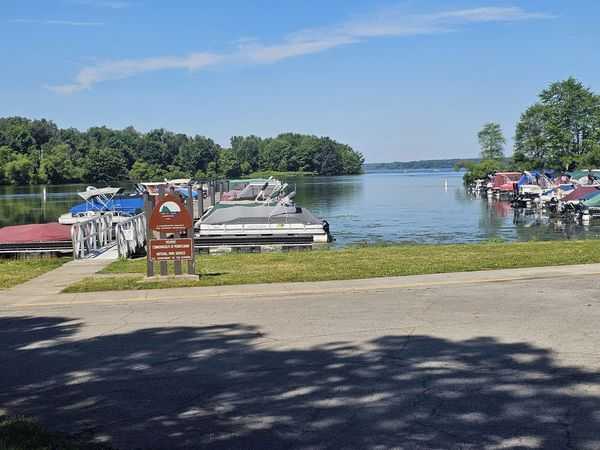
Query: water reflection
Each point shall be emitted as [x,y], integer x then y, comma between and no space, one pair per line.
[35,204]
[427,207]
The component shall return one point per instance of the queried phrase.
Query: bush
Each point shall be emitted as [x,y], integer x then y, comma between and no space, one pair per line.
[482,169]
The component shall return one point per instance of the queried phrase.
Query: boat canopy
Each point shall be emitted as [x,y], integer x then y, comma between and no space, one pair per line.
[92,192]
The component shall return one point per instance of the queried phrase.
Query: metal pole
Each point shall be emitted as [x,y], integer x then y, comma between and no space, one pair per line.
[200,200]
[190,231]
[164,270]
[212,193]
[148,212]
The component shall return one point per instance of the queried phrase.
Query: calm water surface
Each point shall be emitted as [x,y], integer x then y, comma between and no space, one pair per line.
[429,207]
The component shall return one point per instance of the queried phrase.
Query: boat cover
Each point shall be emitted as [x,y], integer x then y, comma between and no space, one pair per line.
[129,205]
[258,213]
[39,232]
[592,201]
[184,192]
[534,178]
[579,192]
[505,180]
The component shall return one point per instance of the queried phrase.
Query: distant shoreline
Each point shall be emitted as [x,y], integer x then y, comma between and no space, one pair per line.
[426,164]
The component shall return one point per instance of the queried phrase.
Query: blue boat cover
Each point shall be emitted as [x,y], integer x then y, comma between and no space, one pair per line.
[184,192]
[128,205]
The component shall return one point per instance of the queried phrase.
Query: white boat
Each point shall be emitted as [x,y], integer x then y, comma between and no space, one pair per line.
[256,189]
[99,201]
[247,223]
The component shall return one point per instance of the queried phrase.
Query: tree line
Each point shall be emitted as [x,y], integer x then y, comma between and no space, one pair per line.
[561,131]
[422,164]
[38,152]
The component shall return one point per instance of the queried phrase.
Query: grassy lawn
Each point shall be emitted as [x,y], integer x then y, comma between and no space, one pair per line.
[16,271]
[351,263]
[24,434]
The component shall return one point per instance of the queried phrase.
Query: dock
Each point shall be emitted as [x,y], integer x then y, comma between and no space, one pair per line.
[254,216]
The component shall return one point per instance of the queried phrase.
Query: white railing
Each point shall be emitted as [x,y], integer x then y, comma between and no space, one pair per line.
[91,235]
[131,235]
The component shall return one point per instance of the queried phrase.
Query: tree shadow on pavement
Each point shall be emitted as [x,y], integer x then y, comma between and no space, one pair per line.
[227,386]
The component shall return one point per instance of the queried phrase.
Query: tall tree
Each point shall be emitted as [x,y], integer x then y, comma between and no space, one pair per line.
[571,119]
[105,165]
[530,138]
[491,141]
[247,151]
[57,167]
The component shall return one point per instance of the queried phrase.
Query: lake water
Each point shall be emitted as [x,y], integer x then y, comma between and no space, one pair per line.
[417,206]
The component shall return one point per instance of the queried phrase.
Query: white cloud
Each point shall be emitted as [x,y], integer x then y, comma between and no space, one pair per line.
[72,23]
[309,41]
[125,68]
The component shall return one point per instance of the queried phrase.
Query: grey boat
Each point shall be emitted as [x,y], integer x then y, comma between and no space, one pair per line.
[259,223]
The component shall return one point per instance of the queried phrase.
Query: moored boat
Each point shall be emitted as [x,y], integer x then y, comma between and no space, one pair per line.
[247,223]
[99,201]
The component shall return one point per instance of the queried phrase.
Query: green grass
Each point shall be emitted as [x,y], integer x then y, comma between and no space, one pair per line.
[17,271]
[25,434]
[278,174]
[351,263]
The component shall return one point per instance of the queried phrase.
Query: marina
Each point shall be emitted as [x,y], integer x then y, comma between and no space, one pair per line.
[255,215]
[569,196]
[407,206]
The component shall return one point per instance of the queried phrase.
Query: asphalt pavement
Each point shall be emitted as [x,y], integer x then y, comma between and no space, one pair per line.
[486,360]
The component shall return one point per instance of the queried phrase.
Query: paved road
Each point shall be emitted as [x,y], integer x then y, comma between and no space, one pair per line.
[505,359]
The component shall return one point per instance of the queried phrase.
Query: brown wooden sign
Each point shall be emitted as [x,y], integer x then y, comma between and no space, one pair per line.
[170,215]
[171,249]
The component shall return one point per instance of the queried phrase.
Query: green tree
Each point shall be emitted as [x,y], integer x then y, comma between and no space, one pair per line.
[105,165]
[352,161]
[64,155]
[195,154]
[57,167]
[530,139]
[327,159]
[143,171]
[19,170]
[571,119]
[480,170]
[6,155]
[491,141]
[228,165]
[247,152]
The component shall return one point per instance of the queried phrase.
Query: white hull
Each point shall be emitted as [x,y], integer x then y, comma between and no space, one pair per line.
[317,232]
[70,219]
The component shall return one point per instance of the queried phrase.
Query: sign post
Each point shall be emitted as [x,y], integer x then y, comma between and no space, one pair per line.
[173,220]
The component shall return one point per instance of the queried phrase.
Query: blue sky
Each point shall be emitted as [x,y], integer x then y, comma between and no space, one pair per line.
[396,80]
